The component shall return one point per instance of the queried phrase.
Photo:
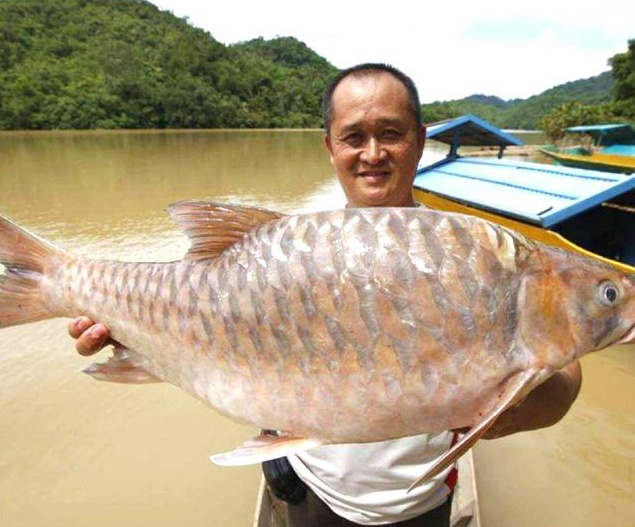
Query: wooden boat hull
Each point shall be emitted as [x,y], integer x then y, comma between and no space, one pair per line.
[593,161]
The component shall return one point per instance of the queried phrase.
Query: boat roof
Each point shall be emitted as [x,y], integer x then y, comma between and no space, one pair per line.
[469,130]
[543,195]
[597,127]
[608,133]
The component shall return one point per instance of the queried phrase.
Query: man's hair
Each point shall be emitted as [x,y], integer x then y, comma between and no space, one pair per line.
[369,69]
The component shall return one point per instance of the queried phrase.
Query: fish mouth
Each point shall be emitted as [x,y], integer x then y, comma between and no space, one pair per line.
[627,338]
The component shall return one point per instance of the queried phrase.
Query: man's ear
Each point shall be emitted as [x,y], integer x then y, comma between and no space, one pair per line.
[421,139]
[328,145]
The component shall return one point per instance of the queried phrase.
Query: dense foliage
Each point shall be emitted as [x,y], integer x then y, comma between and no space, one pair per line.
[620,109]
[126,64]
[573,113]
[623,65]
[524,113]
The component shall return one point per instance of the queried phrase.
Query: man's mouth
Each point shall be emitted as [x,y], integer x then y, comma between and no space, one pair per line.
[374,175]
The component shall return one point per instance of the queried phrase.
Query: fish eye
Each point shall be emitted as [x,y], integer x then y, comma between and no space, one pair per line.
[609,293]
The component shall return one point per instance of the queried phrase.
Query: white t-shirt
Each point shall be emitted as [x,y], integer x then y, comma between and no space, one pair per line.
[367,483]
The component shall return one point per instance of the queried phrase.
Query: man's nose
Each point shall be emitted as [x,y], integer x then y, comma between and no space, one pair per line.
[373,151]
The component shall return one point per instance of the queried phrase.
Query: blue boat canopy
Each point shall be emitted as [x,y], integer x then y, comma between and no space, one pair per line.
[607,134]
[469,130]
[543,195]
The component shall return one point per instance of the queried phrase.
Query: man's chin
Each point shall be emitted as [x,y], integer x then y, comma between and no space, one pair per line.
[375,198]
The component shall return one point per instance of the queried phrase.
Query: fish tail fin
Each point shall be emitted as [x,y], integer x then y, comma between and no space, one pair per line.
[25,258]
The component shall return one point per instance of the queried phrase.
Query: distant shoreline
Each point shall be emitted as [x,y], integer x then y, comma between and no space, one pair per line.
[106,131]
[491,151]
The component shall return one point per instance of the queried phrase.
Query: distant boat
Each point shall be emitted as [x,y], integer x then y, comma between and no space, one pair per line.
[587,211]
[609,147]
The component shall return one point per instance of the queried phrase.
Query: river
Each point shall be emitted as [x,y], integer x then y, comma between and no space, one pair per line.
[74,451]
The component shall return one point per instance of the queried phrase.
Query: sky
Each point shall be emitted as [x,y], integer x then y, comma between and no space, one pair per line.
[451,49]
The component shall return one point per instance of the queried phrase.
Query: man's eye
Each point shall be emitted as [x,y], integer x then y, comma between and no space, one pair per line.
[353,139]
[391,135]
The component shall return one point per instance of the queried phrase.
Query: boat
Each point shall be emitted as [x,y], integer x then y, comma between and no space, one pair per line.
[591,212]
[587,211]
[606,147]
[465,511]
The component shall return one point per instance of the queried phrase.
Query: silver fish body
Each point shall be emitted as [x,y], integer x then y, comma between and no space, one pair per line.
[346,326]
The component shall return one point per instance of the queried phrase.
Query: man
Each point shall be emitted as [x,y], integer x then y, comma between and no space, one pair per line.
[375,138]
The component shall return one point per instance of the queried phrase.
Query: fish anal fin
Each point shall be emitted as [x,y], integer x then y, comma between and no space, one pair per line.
[213,227]
[125,366]
[263,448]
[515,388]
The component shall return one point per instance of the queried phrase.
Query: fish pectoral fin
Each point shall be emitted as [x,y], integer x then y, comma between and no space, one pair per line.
[125,366]
[263,448]
[517,386]
[213,227]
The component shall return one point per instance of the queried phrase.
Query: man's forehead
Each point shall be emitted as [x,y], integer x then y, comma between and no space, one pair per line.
[379,96]
[368,83]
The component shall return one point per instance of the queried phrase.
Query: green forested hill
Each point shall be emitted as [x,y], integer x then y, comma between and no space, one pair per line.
[525,113]
[126,64]
[528,113]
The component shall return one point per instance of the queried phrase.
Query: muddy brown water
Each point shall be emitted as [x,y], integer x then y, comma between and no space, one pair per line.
[74,451]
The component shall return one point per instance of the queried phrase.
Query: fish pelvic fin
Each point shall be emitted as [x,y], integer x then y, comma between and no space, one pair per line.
[25,258]
[125,366]
[515,388]
[213,227]
[263,448]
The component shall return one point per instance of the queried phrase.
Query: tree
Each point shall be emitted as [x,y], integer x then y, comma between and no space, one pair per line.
[126,64]
[623,67]
[573,114]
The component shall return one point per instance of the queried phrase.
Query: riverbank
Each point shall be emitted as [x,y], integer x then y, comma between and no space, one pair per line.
[492,151]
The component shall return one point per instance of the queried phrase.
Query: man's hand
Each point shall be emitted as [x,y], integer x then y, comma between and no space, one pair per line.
[91,336]
[544,406]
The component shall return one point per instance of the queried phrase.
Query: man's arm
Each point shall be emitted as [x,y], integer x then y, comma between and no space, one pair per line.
[544,406]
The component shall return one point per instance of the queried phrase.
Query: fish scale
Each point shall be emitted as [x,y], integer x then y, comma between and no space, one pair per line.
[343,326]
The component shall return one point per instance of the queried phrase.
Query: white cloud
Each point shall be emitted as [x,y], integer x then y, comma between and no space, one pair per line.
[451,49]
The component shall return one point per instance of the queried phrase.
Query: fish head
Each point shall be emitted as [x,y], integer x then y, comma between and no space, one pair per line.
[601,303]
[575,305]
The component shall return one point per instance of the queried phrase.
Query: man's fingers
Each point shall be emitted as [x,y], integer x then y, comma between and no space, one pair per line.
[78,325]
[92,340]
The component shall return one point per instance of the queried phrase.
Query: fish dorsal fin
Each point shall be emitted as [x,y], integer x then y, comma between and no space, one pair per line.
[263,448]
[518,386]
[213,227]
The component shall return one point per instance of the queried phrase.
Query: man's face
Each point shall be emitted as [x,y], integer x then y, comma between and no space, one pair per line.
[374,143]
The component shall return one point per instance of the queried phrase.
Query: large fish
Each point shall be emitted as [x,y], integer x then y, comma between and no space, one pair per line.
[347,326]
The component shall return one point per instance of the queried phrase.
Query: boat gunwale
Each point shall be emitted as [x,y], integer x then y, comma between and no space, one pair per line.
[535,232]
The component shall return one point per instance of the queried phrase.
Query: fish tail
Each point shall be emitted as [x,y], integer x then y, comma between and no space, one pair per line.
[25,258]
